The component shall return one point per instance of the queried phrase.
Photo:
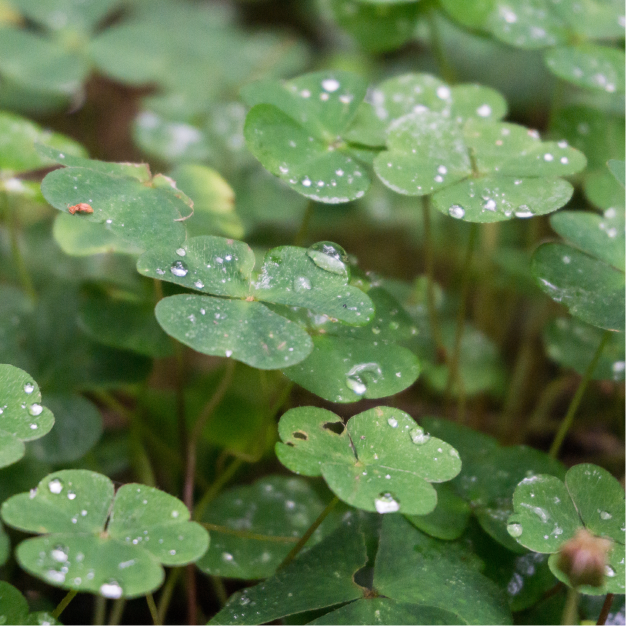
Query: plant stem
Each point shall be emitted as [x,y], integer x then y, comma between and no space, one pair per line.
[453,370]
[430,287]
[571,411]
[550,394]
[99,610]
[117,611]
[303,231]
[167,593]
[570,610]
[18,259]
[215,488]
[153,609]
[307,535]
[63,604]
[444,67]
[604,611]
[180,401]
[220,590]
[192,596]
[245,534]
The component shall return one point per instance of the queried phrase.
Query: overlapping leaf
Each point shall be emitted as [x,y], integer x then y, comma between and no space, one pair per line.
[22,417]
[381,461]
[145,529]
[589,278]
[297,129]
[14,608]
[549,512]
[477,170]
[262,523]
[351,363]
[490,473]
[316,279]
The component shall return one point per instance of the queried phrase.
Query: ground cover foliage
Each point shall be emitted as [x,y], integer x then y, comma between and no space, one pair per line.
[312,311]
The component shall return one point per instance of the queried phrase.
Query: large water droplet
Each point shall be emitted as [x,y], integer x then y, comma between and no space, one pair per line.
[515,530]
[386,503]
[29,388]
[418,436]
[362,375]
[456,211]
[59,554]
[35,409]
[605,515]
[178,268]
[55,486]
[523,211]
[301,283]
[111,590]
[393,422]
[330,257]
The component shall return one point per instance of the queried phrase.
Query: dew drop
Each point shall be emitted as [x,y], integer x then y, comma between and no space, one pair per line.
[71,495]
[179,269]
[393,422]
[181,252]
[386,503]
[484,110]
[227,556]
[548,157]
[301,283]
[418,436]
[228,353]
[330,257]
[330,84]
[456,211]
[605,515]
[198,284]
[489,205]
[35,409]
[523,211]
[59,554]
[111,590]
[515,530]
[55,486]
[29,388]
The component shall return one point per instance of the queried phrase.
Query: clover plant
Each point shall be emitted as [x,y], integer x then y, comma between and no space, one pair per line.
[226,229]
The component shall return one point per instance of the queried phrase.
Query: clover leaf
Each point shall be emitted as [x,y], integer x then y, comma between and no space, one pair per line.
[381,461]
[98,541]
[297,130]
[588,278]
[22,417]
[549,512]
[350,363]
[261,524]
[563,28]
[478,171]
[14,608]
[248,330]
[490,473]
[124,197]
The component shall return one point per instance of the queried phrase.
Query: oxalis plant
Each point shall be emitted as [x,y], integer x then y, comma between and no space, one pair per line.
[312,313]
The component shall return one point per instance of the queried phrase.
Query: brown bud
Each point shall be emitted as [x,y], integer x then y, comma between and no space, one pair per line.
[583,559]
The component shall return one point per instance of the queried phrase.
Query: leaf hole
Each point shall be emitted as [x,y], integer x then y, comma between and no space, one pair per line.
[335,427]
[300,435]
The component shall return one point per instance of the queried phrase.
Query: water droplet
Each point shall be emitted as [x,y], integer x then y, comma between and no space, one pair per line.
[456,211]
[111,590]
[484,110]
[301,283]
[393,422]
[515,530]
[228,353]
[227,556]
[181,252]
[198,284]
[548,157]
[55,577]
[454,453]
[418,436]
[306,182]
[330,257]
[362,375]
[605,515]
[443,92]
[179,269]
[330,84]
[55,486]
[489,205]
[35,409]
[385,503]
[71,495]
[609,571]
[523,211]
[59,554]
[29,388]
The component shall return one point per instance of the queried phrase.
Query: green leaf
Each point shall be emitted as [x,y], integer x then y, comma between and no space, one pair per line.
[490,474]
[18,138]
[377,27]
[247,331]
[449,520]
[589,66]
[146,527]
[383,461]
[446,581]
[304,584]
[77,429]
[22,417]
[572,344]
[276,507]
[13,605]
[66,14]
[143,213]
[617,169]
[124,324]
[593,19]
[417,93]
[386,611]
[590,283]
[295,130]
